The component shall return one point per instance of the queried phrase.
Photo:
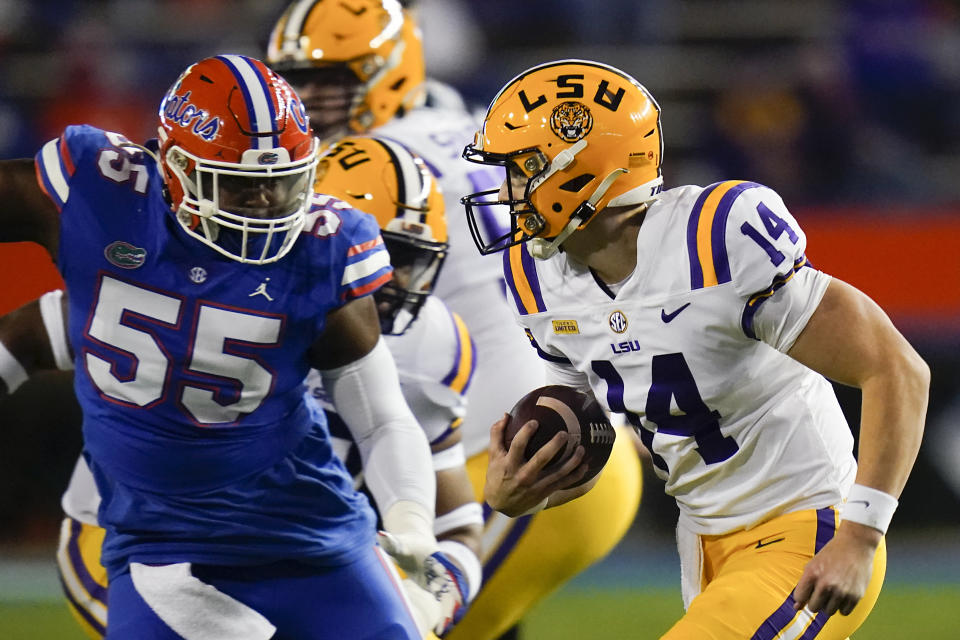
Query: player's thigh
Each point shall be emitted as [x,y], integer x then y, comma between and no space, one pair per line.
[527,558]
[82,577]
[750,595]
[362,599]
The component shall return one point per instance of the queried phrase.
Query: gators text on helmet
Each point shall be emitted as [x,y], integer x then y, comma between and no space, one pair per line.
[238,158]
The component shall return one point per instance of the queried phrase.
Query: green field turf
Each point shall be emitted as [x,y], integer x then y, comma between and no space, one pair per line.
[902,613]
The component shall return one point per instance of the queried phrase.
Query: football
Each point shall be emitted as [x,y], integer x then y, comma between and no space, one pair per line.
[558,408]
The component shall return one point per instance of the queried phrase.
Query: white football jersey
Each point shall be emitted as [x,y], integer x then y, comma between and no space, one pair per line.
[690,349]
[471,284]
[81,499]
[435,358]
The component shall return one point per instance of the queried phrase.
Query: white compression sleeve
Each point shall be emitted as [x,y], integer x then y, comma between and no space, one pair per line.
[393,447]
[52,314]
[11,371]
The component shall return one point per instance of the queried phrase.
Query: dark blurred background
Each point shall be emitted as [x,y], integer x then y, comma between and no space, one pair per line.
[849,109]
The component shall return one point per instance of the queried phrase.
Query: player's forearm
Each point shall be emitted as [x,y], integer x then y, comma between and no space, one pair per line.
[892,418]
[25,348]
[396,455]
[459,516]
[27,214]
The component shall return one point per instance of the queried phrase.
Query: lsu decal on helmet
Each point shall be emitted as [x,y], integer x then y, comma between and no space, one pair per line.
[354,64]
[385,179]
[575,136]
[237,157]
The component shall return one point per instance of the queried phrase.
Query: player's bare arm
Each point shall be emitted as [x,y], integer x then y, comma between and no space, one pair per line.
[851,340]
[351,332]
[26,346]
[453,492]
[21,331]
[27,214]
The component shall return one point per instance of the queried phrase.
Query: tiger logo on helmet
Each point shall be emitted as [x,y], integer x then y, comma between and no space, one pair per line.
[356,65]
[237,158]
[555,188]
[571,121]
[385,179]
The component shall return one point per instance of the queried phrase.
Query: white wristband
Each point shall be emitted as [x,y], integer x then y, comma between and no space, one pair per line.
[870,507]
[467,561]
[449,458]
[11,371]
[466,514]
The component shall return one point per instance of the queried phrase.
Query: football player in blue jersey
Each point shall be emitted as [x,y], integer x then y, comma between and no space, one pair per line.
[698,316]
[204,281]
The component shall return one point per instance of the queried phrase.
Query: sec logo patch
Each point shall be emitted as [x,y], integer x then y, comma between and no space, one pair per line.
[618,322]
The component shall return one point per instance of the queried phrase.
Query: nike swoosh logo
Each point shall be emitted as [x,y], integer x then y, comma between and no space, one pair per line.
[761,543]
[865,503]
[667,317]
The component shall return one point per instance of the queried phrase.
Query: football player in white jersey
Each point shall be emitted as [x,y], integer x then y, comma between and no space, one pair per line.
[694,312]
[361,67]
[430,344]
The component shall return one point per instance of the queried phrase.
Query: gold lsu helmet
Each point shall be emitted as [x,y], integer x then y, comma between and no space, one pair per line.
[385,179]
[575,136]
[369,49]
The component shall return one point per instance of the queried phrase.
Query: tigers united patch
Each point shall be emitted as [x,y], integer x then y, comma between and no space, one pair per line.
[571,121]
[565,327]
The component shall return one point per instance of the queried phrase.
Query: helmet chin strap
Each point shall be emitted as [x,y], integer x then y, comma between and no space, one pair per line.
[542,248]
[560,162]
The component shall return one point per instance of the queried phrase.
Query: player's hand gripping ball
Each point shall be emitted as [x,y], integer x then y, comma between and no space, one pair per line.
[558,408]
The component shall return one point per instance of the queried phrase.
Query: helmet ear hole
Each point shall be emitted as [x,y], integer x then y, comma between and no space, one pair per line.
[557,207]
[576,184]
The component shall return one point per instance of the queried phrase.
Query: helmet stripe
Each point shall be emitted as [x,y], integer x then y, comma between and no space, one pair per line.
[293,29]
[412,189]
[259,100]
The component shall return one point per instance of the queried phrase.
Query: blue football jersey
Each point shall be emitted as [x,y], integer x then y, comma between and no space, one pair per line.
[190,368]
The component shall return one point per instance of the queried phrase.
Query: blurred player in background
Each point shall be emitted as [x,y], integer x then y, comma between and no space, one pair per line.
[204,281]
[698,316]
[430,345]
[360,67]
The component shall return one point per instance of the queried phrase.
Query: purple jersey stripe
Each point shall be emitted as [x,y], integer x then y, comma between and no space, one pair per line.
[777,621]
[753,304]
[696,271]
[718,231]
[473,365]
[96,591]
[815,627]
[455,369]
[511,282]
[82,612]
[443,436]
[507,545]
[543,354]
[530,271]
[826,527]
